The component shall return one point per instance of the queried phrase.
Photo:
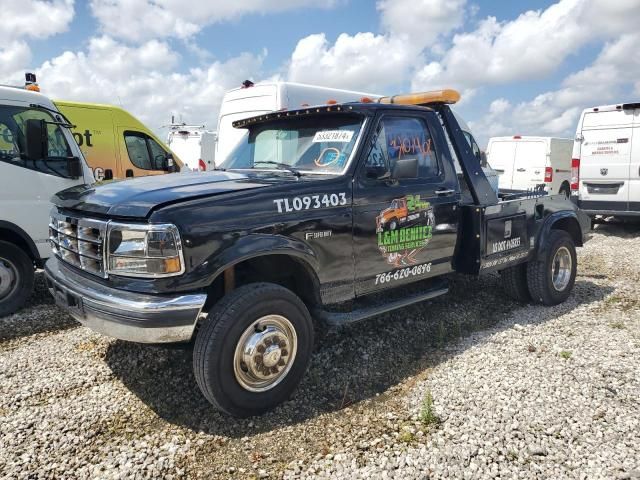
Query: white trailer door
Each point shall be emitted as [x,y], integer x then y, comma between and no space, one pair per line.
[501,156]
[605,158]
[634,165]
[529,165]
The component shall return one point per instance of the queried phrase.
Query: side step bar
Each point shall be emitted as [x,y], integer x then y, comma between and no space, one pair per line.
[440,287]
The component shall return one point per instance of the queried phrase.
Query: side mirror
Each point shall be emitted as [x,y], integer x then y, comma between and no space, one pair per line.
[74,167]
[405,168]
[483,159]
[165,162]
[37,141]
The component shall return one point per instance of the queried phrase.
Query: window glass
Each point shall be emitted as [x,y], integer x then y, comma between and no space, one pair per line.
[314,144]
[13,140]
[400,138]
[158,154]
[138,151]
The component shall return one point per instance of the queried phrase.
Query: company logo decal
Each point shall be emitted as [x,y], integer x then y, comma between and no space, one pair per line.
[404,229]
[604,171]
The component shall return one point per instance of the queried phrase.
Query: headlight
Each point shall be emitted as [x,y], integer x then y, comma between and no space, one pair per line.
[144,250]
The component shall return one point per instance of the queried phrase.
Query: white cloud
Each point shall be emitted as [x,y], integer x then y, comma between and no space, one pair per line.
[531,46]
[28,19]
[34,18]
[140,20]
[607,80]
[143,80]
[363,61]
[421,21]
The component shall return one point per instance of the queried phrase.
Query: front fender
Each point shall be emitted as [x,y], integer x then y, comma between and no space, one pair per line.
[256,245]
[570,221]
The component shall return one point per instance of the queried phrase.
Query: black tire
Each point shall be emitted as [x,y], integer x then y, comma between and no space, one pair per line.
[540,273]
[564,188]
[17,265]
[514,282]
[393,224]
[218,336]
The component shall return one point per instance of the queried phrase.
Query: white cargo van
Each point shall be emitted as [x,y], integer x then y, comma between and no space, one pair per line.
[38,157]
[525,162]
[606,161]
[194,145]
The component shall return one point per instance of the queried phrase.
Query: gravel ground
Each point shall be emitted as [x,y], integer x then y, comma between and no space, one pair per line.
[517,392]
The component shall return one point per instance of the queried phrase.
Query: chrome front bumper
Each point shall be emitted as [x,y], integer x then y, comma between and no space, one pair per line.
[121,314]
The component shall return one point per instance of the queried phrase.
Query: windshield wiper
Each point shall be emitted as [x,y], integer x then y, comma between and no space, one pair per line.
[56,113]
[281,166]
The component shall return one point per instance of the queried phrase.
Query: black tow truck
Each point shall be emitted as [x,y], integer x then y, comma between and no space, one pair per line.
[317,209]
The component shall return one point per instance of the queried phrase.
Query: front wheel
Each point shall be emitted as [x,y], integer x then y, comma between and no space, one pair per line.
[253,349]
[551,280]
[16,278]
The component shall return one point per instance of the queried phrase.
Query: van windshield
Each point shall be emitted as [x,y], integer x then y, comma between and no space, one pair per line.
[316,144]
[13,121]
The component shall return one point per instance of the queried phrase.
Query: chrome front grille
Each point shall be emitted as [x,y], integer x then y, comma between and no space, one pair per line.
[79,241]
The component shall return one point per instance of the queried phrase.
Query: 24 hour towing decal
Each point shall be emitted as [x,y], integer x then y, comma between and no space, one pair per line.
[404,229]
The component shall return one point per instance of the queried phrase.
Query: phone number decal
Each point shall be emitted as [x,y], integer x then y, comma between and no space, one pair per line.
[310,202]
[403,273]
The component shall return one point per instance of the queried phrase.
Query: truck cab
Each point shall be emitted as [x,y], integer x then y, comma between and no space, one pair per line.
[38,157]
[320,216]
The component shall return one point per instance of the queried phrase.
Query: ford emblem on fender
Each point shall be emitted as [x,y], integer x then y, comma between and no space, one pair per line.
[604,171]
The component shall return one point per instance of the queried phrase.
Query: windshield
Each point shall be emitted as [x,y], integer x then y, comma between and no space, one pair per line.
[13,141]
[316,144]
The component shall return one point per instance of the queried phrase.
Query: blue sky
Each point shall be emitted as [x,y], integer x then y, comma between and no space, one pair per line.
[522,67]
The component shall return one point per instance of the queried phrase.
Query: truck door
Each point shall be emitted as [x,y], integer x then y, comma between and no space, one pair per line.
[530,163]
[605,158]
[405,218]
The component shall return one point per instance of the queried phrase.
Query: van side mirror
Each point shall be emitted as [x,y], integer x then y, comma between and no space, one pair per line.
[165,162]
[37,140]
[405,168]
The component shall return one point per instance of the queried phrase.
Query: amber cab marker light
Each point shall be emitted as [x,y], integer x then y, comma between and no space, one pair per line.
[366,100]
[331,102]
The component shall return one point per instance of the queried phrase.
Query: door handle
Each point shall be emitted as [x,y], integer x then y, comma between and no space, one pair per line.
[129,173]
[522,170]
[445,191]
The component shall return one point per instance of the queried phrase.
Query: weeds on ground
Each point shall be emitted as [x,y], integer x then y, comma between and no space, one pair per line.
[566,354]
[407,436]
[428,415]
[617,325]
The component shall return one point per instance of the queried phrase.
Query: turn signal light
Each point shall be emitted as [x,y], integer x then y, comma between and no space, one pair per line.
[201,165]
[575,173]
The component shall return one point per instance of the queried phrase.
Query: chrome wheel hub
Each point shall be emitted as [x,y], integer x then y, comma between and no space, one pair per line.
[561,269]
[265,353]
[8,278]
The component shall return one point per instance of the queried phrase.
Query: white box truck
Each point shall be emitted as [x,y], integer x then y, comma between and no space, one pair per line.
[194,145]
[527,163]
[38,157]
[606,161]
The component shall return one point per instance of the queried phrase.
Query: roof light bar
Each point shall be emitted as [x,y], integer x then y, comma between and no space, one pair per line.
[447,96]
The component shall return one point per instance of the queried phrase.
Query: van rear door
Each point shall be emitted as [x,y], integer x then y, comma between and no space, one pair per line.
[501,155]
[605,157]
[530,162]
[634,165]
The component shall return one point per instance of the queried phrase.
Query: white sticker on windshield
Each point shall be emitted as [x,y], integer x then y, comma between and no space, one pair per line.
[333,136]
